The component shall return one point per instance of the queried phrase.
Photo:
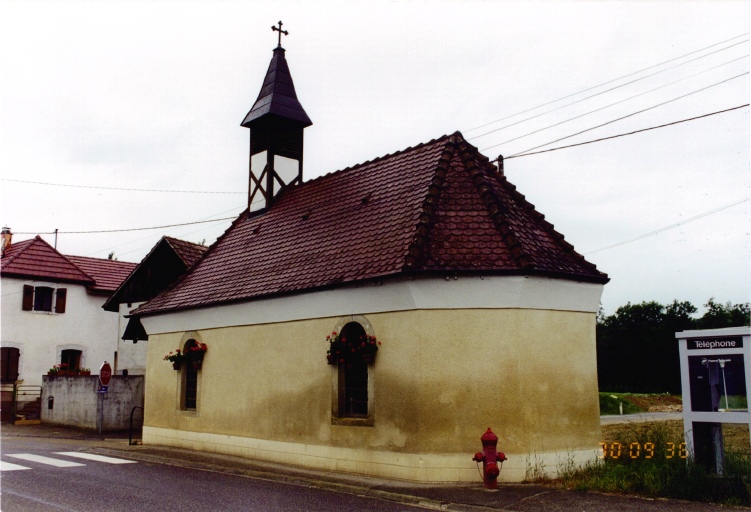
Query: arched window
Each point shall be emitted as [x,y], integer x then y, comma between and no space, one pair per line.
[189,393]
[353,378]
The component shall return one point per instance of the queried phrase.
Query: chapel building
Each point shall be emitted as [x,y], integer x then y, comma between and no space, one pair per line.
[378,319]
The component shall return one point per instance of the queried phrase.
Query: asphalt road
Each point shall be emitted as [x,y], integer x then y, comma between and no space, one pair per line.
[78,484]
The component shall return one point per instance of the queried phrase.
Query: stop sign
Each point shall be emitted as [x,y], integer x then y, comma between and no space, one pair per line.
[105,374]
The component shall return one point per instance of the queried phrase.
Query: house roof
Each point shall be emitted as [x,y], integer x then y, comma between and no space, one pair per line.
[36,259]
[161,267]
[435,208]
[107,274]
[277,96]
[188,252]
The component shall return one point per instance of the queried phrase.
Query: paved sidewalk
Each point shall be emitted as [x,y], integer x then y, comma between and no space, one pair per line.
[462,497]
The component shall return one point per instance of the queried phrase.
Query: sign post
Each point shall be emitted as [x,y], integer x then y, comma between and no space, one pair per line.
[716,384]
[105,375]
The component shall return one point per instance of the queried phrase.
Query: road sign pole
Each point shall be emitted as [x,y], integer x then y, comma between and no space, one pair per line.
[105,375]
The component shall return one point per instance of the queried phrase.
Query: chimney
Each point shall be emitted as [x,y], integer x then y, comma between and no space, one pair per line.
[6,236]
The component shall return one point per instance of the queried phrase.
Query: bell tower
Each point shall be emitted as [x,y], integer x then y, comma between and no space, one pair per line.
[276,122]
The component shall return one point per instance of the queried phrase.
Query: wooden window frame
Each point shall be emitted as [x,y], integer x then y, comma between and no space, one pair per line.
[73,359]
[31,299]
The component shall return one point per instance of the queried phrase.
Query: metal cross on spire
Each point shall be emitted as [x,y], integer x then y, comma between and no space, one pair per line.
[279,43]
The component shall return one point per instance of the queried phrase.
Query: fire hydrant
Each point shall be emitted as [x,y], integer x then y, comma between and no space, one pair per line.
[490,459]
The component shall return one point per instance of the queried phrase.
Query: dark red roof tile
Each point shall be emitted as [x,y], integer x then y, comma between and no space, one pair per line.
[107,274]
[437,207]
[188,252]
[36,259]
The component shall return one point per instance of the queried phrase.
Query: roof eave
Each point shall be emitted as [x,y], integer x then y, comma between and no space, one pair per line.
[441,273]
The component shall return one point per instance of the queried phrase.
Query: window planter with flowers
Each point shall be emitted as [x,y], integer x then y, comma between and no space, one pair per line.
[344,350]
[192,355]
[176,358]
[62,370]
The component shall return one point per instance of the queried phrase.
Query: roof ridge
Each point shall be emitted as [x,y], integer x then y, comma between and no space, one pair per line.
[100,259]
[380,158]
[495,206]
[39,239]
[567,247]
[28,243]
[68,260]
[550,228]
[188,271]
[415,250]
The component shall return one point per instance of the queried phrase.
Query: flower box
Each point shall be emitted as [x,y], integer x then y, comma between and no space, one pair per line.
[343,350]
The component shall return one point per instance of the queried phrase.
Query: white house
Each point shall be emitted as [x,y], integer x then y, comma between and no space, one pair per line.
[52,310]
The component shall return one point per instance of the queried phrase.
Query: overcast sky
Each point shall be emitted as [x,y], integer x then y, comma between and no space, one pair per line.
[147,95]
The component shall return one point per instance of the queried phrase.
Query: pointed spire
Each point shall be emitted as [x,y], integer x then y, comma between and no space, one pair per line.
[277,96]
[276,122]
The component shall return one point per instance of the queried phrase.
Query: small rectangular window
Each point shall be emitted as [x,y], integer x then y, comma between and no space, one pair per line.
[70,359]
[43,298]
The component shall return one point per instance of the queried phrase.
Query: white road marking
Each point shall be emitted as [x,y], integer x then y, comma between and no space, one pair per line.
[97,458]
[41,459]
[9,466]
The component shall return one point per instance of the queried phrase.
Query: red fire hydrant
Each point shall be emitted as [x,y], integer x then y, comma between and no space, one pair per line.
[490,459]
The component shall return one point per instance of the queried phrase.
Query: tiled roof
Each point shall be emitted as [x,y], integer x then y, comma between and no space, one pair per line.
[437,207]
[36,259]
[107,274]
[189,252]
[161,267]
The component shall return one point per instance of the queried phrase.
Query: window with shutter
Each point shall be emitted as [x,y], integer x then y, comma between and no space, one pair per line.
[9,364]
[42,298]
[60,296]
[28,298]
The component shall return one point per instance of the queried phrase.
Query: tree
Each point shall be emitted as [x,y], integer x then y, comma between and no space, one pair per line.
[637,350]
[724,315]
[636,346]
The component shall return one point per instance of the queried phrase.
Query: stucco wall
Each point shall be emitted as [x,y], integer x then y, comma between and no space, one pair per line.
[76,402]
[41,336]
[441,378]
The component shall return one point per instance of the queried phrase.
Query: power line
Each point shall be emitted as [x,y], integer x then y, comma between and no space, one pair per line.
[122,189]
[148,237]
[625,134]
[611,81]
[123,230]
[672,226]
[624,117]
[598,109]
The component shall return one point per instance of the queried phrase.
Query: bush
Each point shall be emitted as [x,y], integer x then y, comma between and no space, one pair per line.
[652,462]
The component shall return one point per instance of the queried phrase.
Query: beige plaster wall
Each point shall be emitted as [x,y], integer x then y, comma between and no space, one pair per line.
[441,378]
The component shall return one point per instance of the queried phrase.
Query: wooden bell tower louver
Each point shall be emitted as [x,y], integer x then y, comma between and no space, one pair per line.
[276,123]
